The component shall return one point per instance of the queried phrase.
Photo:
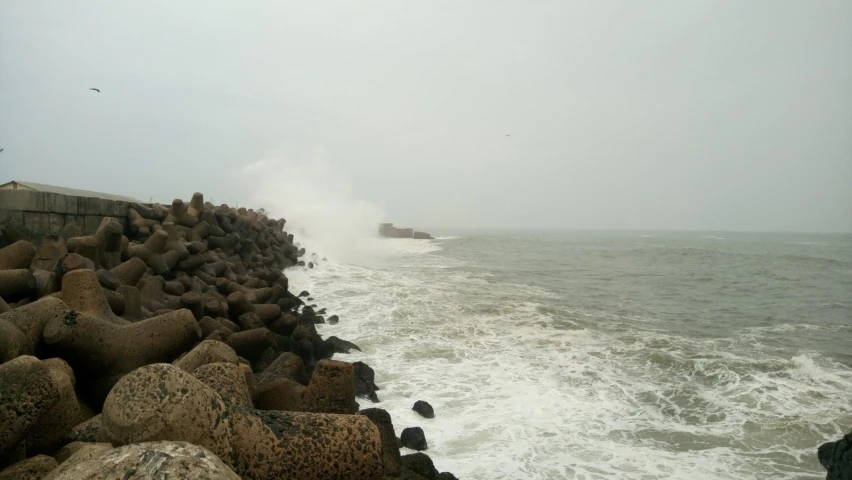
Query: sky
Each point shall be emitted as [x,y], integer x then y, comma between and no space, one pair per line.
[673,115]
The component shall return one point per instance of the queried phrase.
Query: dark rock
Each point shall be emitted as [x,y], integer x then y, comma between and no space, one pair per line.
[446,476]
[342,346]
[836,457]
[365,384]
[414,438]
[424,409]
[390,448]
[303,294]
[30,469]
[421,464]
[331,389]
[332,320]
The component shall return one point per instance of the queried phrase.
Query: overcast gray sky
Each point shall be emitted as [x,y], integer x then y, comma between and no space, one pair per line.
[714,115]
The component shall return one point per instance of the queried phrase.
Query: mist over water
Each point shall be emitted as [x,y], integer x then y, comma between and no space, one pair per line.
[318,204]
[606,355]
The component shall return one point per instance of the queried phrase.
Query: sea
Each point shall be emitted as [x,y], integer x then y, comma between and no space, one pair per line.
[602,355]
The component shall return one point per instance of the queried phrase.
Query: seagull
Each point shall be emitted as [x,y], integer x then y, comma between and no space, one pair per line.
[1,150]
[96,89]
[508,134]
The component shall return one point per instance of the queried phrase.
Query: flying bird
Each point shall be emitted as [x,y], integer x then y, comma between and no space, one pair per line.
[508,134]
[1,150]
[96,89]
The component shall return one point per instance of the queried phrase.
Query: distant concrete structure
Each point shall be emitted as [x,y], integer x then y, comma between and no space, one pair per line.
[45,209]
[388,230]
[40,187]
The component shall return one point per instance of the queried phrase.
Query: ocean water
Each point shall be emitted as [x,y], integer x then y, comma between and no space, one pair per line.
[592,355]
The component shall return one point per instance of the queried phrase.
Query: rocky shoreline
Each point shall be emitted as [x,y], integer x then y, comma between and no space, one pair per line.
[169,343]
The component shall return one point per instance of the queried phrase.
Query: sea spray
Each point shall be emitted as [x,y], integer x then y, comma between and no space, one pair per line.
[318,202]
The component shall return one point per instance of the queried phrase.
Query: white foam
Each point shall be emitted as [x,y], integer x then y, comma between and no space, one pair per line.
[517,397]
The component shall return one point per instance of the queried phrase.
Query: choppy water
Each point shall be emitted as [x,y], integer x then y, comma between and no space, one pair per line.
[606,355]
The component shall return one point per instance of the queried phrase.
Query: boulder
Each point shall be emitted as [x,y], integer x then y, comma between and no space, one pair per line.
[341,346]
[836,458]
[446,476]
[34,468]
[414,438]
[229,379]
[161,401]
[161,459]
[421,464]
[390,450]
[365,381]
[331,389]
[424,409]
[208,351]
[106,351]
[37,406]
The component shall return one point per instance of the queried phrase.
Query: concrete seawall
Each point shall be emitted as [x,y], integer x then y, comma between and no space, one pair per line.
[47,213]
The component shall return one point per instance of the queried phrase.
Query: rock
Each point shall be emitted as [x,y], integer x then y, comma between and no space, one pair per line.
[414,438]
[424,409]
[390,450]
[208,351]
[341,346]
[229,380]
[421,464]
[35,468]
[87,432]
[446,476]
[280,394]
[161,401]
[365,384]
[304,294]
[17,255]
[331,389]
[65,452]
[836,458]
[162,459]
[106,351]
[37,406]
[332,320]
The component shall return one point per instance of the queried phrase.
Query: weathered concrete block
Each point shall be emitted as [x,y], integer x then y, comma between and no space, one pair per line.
[37,222]
[120,209]
[21,200]
[55,222]
[99,206]
[91,224]
[178,460]
[55,202]
[71,204]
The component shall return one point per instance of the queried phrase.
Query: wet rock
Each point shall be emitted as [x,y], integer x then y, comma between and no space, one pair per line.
[390,450]
[332,320]
[304,293]
[331,389]
[446,476]
[414,438]
[35,468]
[836,458]
[161,401]
[424,409]
[162,459]
[421,464]
[365,384]
[341,346]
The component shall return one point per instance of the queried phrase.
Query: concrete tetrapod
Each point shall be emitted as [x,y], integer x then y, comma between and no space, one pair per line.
[161,460]
[106,351]
[158,402]
[37,405]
